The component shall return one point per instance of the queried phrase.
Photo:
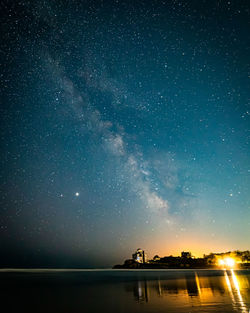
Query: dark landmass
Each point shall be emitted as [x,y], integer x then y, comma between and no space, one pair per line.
[168,262]
[242,261]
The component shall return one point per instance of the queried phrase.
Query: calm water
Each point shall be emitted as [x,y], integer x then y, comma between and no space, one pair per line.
[125,291]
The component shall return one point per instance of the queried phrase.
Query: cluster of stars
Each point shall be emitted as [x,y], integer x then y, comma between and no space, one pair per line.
[137,110]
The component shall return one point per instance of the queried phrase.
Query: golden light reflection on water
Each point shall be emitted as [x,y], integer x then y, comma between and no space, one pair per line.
[235,291]
[199,290]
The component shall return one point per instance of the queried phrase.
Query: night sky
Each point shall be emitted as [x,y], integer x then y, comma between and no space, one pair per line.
[124,124]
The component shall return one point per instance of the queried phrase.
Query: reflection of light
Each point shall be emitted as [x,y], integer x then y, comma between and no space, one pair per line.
[159,287]
[235,287]
[139,290]
[197,283]
[229,286]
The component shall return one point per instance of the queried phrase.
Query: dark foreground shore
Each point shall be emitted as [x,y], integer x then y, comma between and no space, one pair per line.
[134,291]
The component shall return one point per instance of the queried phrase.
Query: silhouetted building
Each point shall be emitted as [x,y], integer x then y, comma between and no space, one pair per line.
[139,256]
[186,255]
[156,258]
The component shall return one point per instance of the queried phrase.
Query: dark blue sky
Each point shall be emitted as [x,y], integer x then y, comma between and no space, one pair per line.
[123,125]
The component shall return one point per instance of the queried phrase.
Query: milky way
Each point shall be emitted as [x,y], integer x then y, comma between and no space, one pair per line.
[123,125]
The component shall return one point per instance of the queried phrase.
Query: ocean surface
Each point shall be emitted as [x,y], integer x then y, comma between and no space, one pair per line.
[114,291]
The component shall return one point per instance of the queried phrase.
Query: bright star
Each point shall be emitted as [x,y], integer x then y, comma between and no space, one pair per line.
[77,194]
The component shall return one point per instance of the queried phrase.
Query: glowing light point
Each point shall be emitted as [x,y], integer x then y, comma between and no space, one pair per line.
[230,262]
[227,262]
[77,194]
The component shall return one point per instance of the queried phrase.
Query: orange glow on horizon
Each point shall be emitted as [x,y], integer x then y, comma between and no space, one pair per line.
[158,245]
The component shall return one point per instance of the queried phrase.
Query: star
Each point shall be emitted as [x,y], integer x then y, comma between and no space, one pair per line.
[77,194]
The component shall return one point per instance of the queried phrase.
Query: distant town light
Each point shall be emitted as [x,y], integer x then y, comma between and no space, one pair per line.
[227,262]
[230,262]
